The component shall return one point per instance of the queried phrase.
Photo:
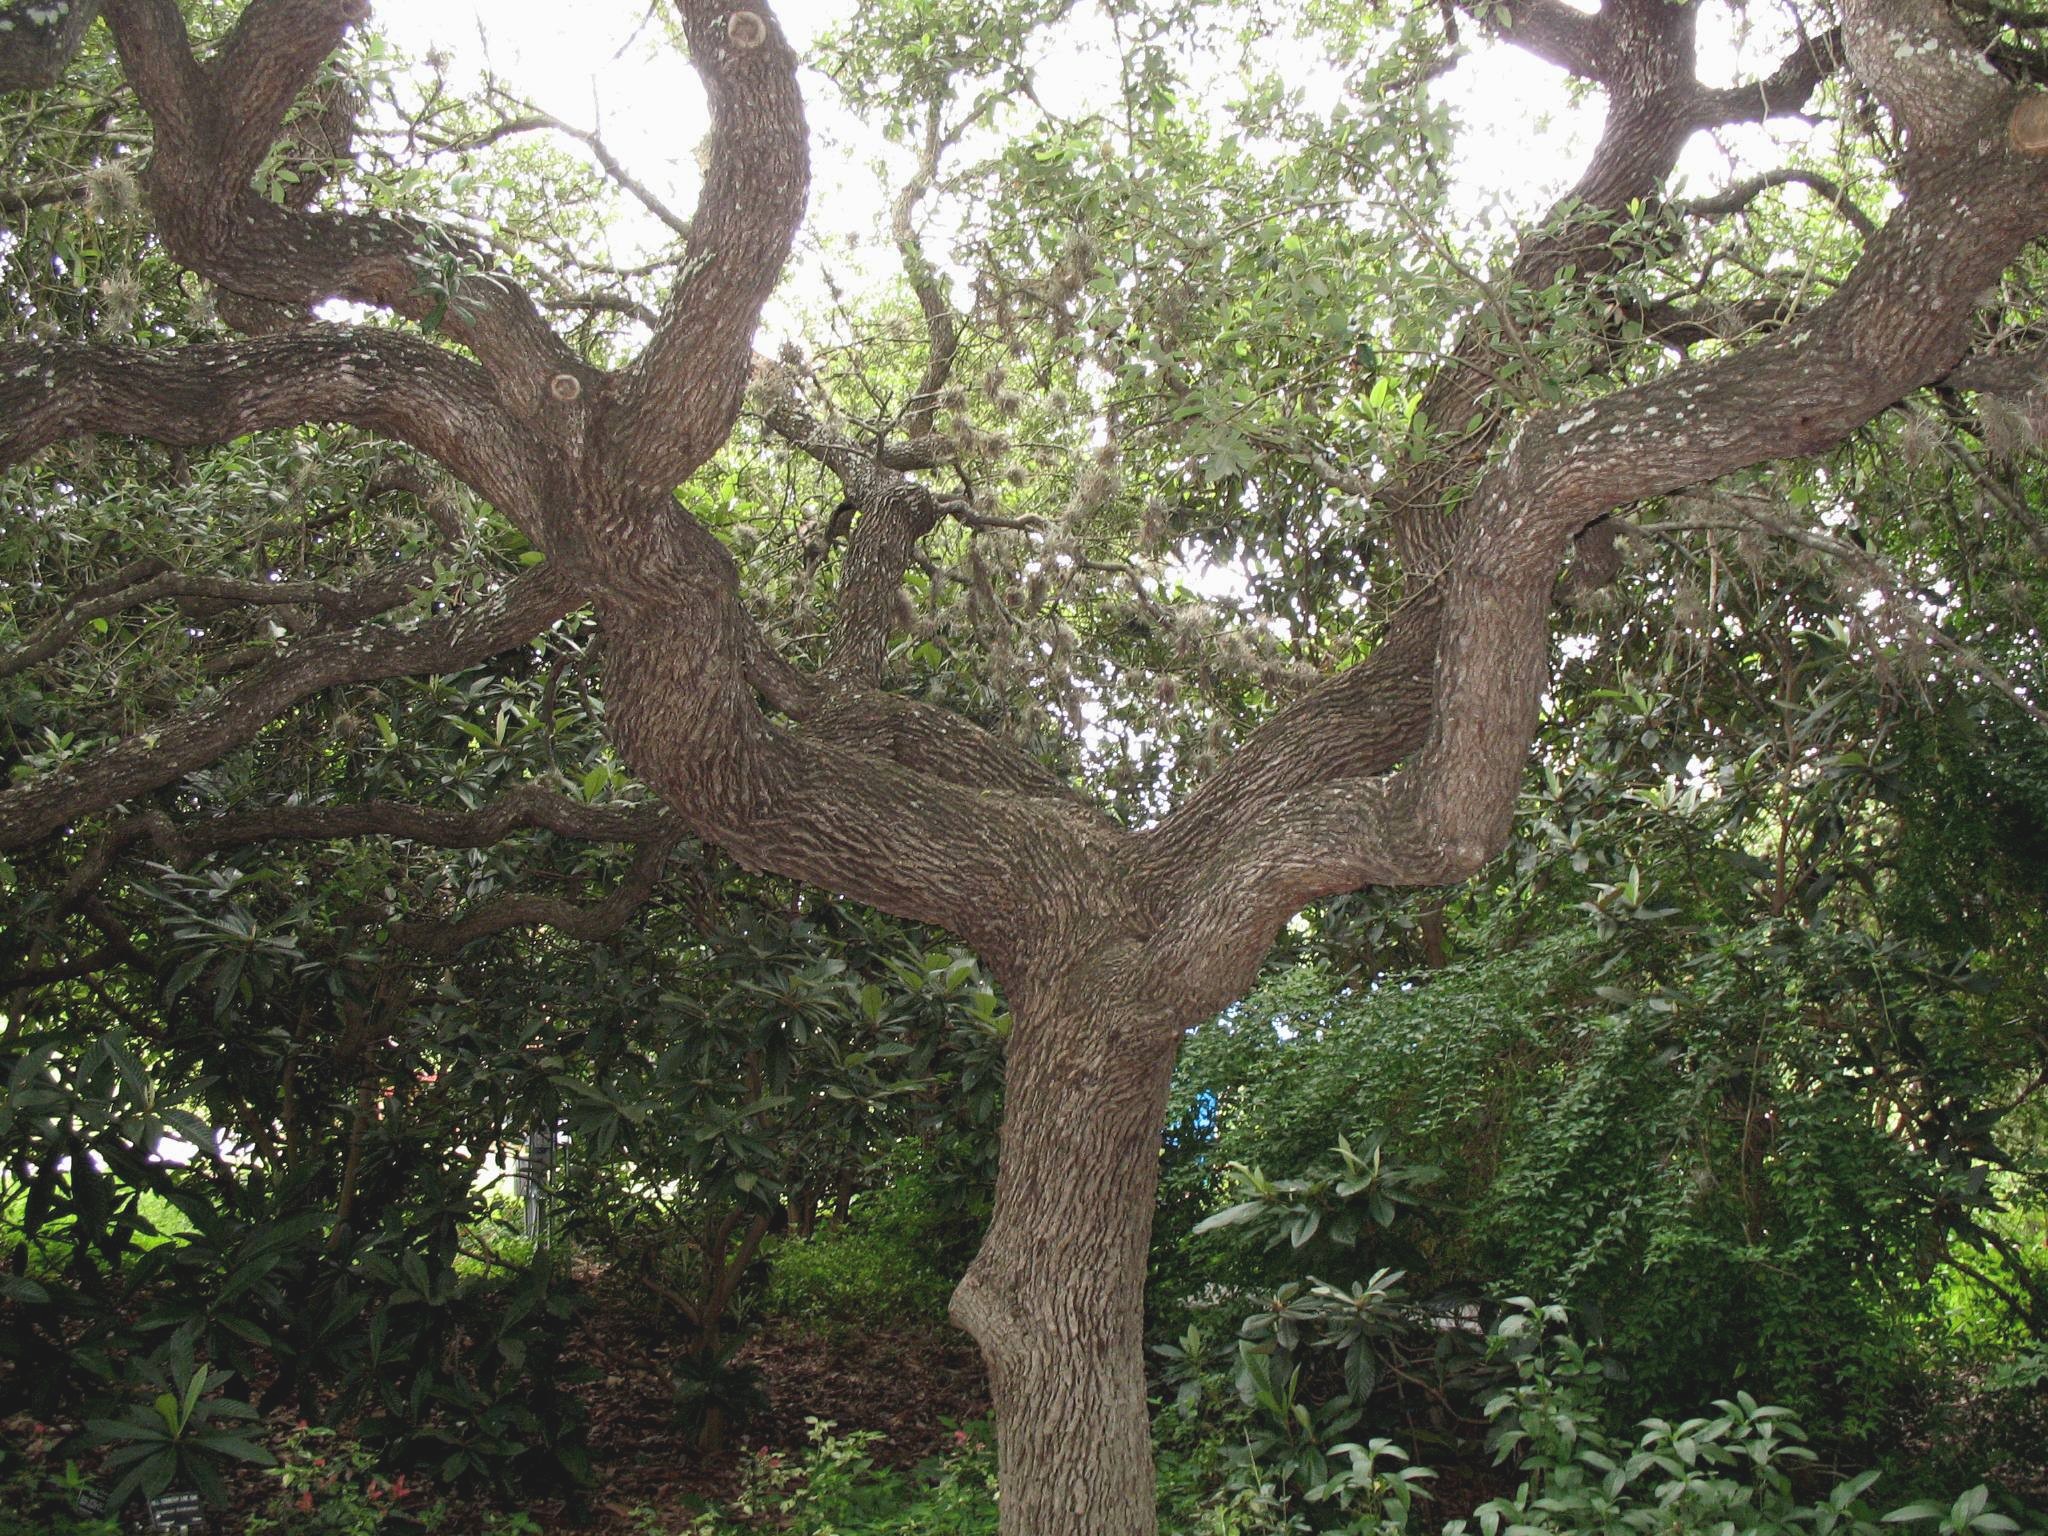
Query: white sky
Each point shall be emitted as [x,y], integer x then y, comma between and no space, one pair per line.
[598,65]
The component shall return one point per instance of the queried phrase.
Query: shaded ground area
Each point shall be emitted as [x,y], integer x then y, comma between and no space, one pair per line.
[912,1383]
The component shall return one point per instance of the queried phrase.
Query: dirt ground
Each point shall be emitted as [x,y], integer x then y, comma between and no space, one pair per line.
[912,1384]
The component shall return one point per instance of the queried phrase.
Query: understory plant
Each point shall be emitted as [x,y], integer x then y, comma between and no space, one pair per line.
[187,1433]
[835,1487]
[1735,1468]
[1288,1463]
[33,1503]
[327,1486]
[1294,1385]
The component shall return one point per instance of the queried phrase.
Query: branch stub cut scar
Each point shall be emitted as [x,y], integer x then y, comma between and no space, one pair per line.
[2028,129]
[746,29]
[565,386]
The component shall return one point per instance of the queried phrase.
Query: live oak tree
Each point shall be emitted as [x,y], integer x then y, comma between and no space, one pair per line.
[1227,358]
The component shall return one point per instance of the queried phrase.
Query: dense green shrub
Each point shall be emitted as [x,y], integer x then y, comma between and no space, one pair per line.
[897,1253]
[853,1275]
[1699,1157]
[1433,1071]
[1285,1466]
[1729,1469]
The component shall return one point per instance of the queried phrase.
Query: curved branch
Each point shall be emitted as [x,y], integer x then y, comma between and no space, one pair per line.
[1781,93]
[1680,327]
[1902,319]
[214,124]
[599,920]
[48,195]
[528,806]
[979,860]
[1363,722]
[1649,110]
[910,733]
[37,807]
[77,969]
[133,574]
[1358,724]
[859,473]
[937,742]
[676,402]
[255,78]
[396,385]
[1738,197]
[1551,31]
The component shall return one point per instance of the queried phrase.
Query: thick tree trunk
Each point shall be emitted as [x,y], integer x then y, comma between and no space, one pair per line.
[1056,1295]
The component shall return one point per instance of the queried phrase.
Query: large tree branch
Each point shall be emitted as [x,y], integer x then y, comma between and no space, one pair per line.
[1780,93]
[2004,373]
[527,806]
[675,404]
[39,40]
[893,513]
[1917,59]
[1551,31]
[37,807]
[1902,319]
[1651,95]
[844,709]
[934,741]
[1355,726]
[1642,51]
[264,64]
[396,385]
[973,858]
[213,127]
[1358,724]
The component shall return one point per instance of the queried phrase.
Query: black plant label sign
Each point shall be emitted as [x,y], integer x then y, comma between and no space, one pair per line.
[90,1503]
[175,1511]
